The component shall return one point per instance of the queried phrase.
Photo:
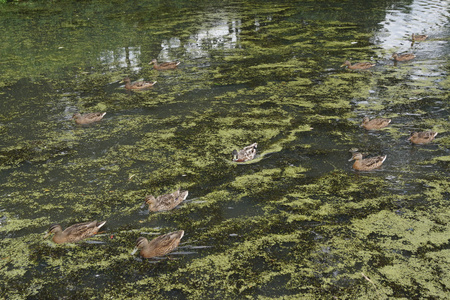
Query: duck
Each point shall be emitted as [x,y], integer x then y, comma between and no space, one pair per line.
[170,65]
[248,153]
[165,202]
[88,118]
[375,124]
[358,66]
[74,233]
[159,246]
[419,37]
[423,137]
[366,164]
[403,57]
[138,85]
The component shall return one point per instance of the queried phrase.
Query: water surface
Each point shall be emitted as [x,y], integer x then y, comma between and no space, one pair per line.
[297,221]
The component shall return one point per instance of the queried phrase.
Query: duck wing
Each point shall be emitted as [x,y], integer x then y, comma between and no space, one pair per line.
[427,135]
[379,122]
[166,243]
[373,162]
[248,152]
[362,65]
[142,84]
[94,116]
[169,201]
[170,64]
[83,230]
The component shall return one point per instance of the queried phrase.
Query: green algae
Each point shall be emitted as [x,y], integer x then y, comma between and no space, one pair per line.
[442,158]
[419,233]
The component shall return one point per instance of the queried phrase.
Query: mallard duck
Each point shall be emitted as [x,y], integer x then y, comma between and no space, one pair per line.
[74,233]
[138,85]
[88,118]
[159,246]
[165,202]
[248,153]
[358,66]
[374,124]
[368,163]
[419,37]
[165,65]
[423,137]
[403,57]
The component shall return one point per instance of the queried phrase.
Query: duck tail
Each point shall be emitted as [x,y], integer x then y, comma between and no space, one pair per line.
[184,195]
[100,224]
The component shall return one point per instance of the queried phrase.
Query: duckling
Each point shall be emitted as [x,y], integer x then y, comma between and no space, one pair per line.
[423,137]
[165,65]
[165,202]
[375,124]
[74,233]
[248,153]
[367,164]
[138,85]
[88,118]
[358,66]
[403,57]
[159,246]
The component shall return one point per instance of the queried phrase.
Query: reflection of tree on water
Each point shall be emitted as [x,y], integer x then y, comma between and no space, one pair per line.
[420,17]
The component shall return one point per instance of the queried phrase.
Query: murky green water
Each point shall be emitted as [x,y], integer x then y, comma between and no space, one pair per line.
[297,222]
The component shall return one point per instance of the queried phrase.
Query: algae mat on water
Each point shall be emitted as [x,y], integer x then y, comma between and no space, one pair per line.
[294,223]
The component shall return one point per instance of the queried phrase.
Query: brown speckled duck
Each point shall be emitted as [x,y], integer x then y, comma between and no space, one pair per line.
[159,246]
[170,65]
[375,124]
[138,85]
[423,137]
[419,37]
[88,118]
[74,233]
[165,202]
[403,57]
[366,164]
[358,66]
[248,153]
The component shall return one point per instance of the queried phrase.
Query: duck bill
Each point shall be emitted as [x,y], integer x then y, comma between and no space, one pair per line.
[143,204]
[135,250]
[350,159]
[46,235]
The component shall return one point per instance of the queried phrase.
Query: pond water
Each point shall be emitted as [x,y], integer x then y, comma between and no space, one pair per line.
[297,222]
